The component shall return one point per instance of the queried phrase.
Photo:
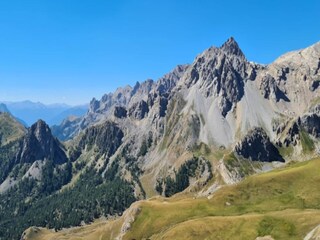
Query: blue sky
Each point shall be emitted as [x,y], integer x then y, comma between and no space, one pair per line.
[73,50]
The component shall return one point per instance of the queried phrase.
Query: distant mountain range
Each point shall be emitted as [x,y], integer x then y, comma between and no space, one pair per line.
[29,112]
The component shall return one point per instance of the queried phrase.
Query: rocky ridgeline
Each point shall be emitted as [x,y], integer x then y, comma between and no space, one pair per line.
[104,139]
[221,100]
[221,72]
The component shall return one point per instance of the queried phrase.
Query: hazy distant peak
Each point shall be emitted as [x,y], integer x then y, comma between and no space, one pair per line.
[3,108]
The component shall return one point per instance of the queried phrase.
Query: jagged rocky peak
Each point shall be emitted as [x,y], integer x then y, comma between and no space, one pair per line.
[166,83]
[120,97]
[232,47]
[39,144]
[221,73]
[143,87]
[94,105]
[41,131]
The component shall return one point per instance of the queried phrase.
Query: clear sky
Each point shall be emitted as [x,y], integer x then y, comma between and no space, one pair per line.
[72,50]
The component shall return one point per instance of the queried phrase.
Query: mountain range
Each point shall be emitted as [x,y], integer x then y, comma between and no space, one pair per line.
[178,142]
[29,112]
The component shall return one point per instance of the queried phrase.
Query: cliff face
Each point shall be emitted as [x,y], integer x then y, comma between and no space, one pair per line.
[24,156]
[257,146]
[39,144]
[220,73]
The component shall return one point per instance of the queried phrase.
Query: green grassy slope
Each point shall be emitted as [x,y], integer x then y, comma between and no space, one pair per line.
[284,204]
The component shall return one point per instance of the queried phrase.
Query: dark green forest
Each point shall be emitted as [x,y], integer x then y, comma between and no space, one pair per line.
[29,203]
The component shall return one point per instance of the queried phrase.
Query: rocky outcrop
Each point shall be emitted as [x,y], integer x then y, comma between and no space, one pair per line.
[94,105]
[296,74]
[270,90]
[39,144]
[221,72]
[167,83]
[120,112]
[310,122]
[106,138]
[257,146]
[163,104]
[231,47]
[292,136]
[139,110]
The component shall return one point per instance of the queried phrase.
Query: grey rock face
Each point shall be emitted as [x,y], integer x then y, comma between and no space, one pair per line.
[120,112]
[139,110]
[106,138]
[232,47]
[39,144]
[169,81]
[257,146]
[94,105]
[310,122]
[221,72]
[143,88]
[163,104]
[270,90]
[293,135]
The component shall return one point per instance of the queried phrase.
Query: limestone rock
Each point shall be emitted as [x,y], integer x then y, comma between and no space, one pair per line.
[139,110]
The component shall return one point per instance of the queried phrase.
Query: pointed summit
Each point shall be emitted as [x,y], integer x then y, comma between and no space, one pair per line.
[232,47]
[39,144]
[41,130]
